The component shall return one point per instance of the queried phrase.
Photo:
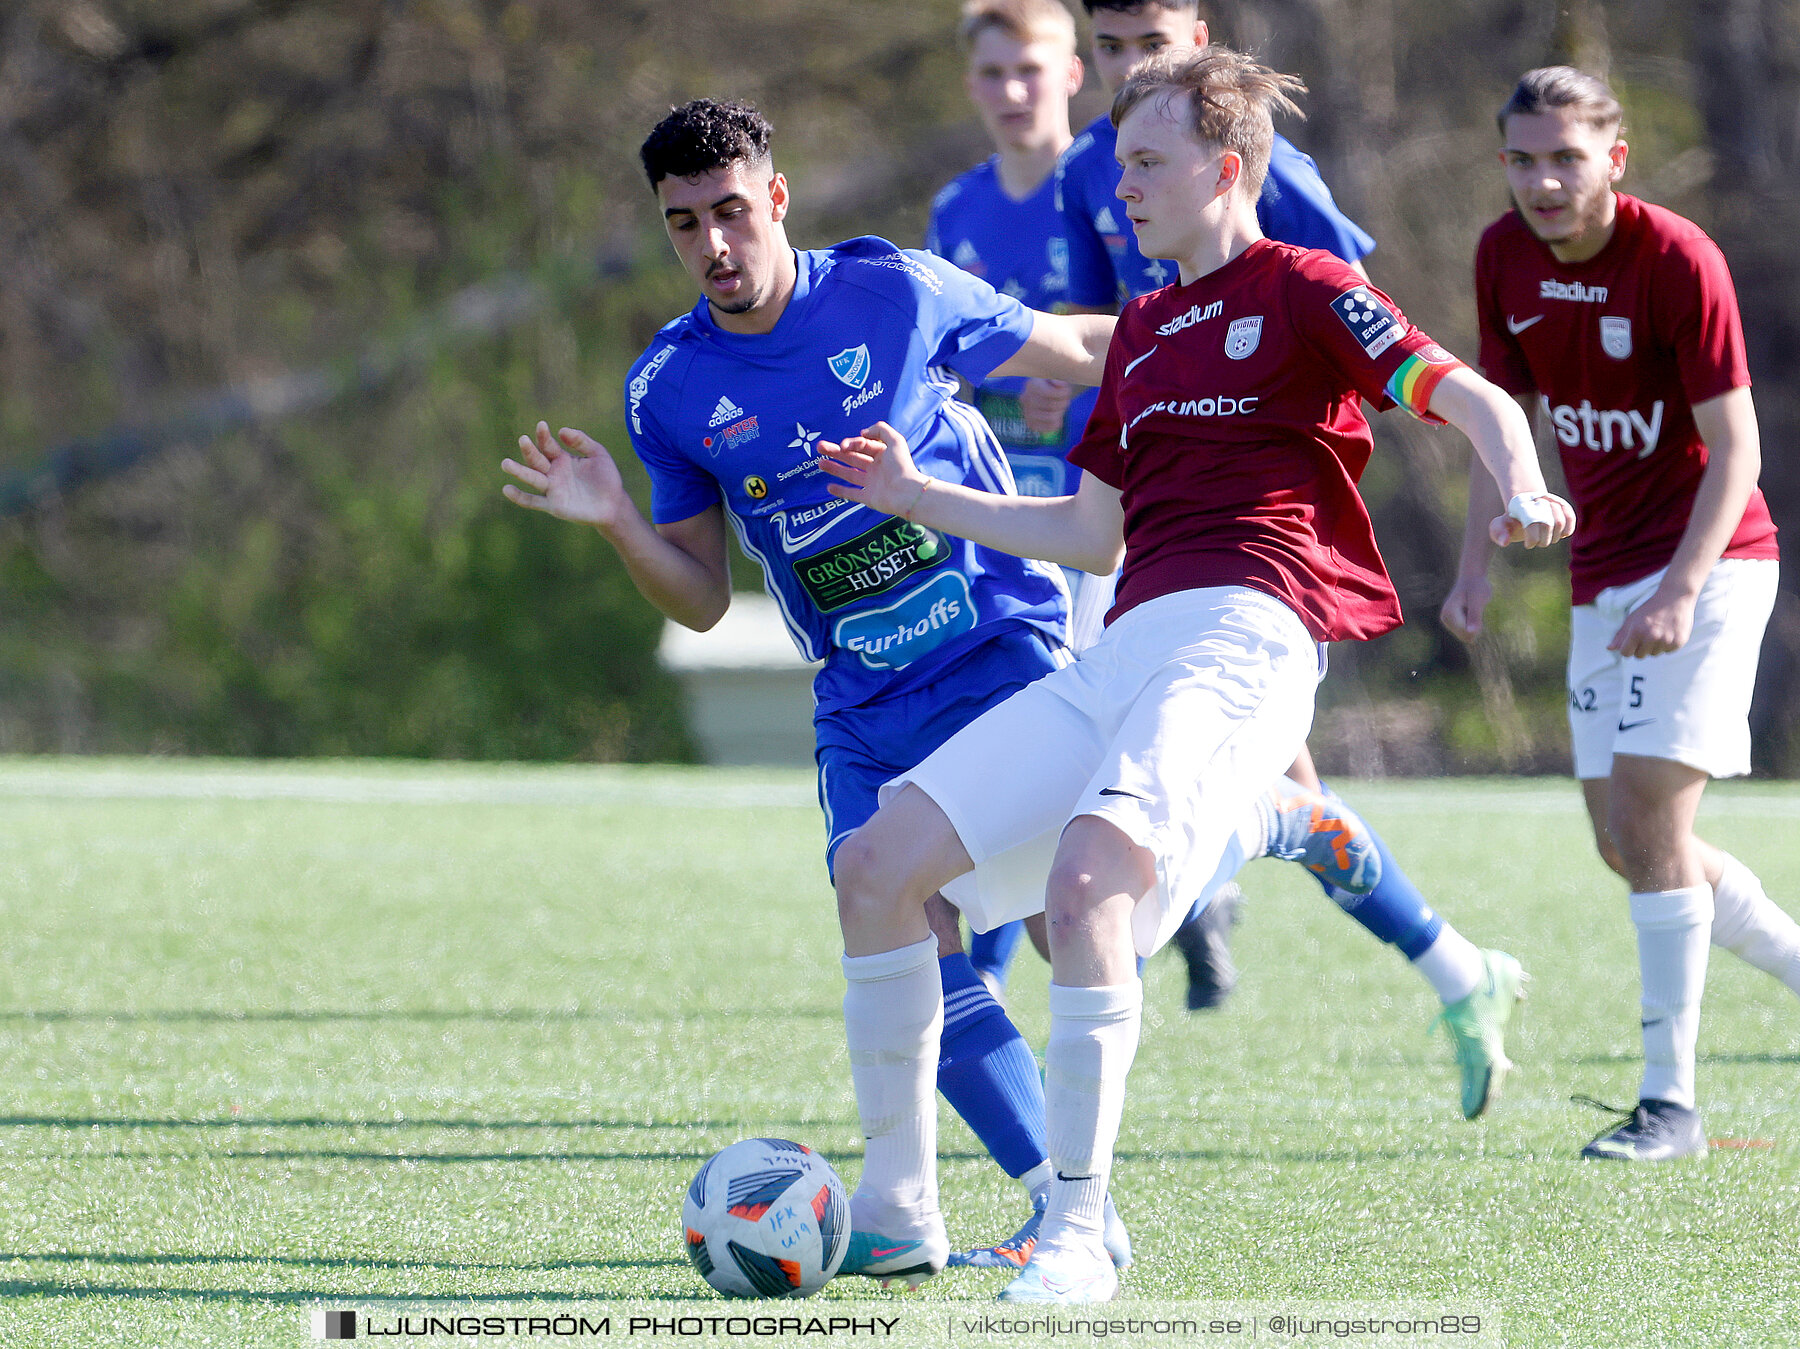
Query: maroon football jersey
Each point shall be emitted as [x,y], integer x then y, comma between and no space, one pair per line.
[1230,419]
[1620,348]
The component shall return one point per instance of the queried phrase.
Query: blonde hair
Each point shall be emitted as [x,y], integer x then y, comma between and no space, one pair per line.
[1022,20]
[1231,100]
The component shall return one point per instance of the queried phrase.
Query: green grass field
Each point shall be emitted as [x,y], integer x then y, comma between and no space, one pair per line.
[415,1038]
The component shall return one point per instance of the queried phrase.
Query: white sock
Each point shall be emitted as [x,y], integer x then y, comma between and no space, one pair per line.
[893,1018]
[1093,1038]
[1672,931]
[1452,964]
[1037,1181]
[1749,924]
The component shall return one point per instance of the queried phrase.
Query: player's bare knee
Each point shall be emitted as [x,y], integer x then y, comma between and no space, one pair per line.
[1070,897]
[868,882]
[1609,853]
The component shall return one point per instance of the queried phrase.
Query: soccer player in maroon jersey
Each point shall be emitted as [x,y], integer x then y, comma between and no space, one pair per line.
[1617,319]
[1223,457]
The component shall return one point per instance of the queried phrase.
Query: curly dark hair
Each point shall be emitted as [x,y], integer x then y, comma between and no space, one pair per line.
[704,135]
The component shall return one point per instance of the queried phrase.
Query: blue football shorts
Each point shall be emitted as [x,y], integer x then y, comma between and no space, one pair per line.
[861,747]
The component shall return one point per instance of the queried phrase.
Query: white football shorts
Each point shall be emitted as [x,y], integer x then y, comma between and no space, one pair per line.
[1169,727]
[1090,597]
[1691,705]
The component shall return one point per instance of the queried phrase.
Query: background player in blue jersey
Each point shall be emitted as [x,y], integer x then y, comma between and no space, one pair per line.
[919,632]
[999,221]
[1477,988]
[1105,266]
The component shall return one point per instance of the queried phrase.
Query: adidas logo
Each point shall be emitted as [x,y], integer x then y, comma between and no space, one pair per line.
[1105,223]
[727,411]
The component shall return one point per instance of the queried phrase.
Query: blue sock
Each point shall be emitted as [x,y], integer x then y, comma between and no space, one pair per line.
[987,1072]
[1394,910]
[991,952]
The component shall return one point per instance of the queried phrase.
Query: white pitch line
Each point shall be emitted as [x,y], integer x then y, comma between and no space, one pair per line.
[726,789]
[558,789]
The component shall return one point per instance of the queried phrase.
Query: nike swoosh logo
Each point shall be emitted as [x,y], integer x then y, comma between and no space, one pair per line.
[1140,360]
[1062,1287]
[1633,725]
[877,1252]
[1114,791]
[1515,326]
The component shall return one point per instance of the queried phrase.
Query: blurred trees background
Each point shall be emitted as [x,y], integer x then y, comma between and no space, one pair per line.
[282,280]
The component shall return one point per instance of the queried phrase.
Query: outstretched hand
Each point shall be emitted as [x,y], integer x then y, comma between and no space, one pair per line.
[1536,521]
[574,480]
[875,469]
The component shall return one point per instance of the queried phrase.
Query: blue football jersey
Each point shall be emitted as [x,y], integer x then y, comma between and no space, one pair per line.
[1105,266]
[1017,247]
[873,333]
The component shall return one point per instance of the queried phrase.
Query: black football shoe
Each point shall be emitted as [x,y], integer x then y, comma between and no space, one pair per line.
[1205,943]
[1654,1131]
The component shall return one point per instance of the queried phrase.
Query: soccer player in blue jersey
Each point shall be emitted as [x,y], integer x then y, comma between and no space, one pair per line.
[919,632]
[1477,988]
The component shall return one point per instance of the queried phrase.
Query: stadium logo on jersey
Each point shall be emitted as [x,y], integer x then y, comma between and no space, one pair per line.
[912,626]
[725,411]
[851,365]
[1374,326]
[968,259]
[1243,337]
[803,439]
[1571,290]
[872,563]
[1606,429]
[1615,337]
[1200,315]
[755,488]
[641,384]
[1105,223]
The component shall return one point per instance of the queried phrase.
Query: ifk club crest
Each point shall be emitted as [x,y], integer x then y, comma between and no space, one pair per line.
[1242,337]
[1615,337]
[851,365]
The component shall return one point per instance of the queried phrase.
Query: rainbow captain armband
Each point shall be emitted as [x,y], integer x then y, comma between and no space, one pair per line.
[1410,386]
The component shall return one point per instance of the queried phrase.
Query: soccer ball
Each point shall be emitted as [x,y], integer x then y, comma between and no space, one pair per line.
[766,1218]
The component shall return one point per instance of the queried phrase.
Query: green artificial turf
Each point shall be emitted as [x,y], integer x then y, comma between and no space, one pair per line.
[444,1040]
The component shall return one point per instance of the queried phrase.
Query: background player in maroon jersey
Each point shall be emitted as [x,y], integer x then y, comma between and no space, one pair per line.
[1223,454]
[1618,319]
